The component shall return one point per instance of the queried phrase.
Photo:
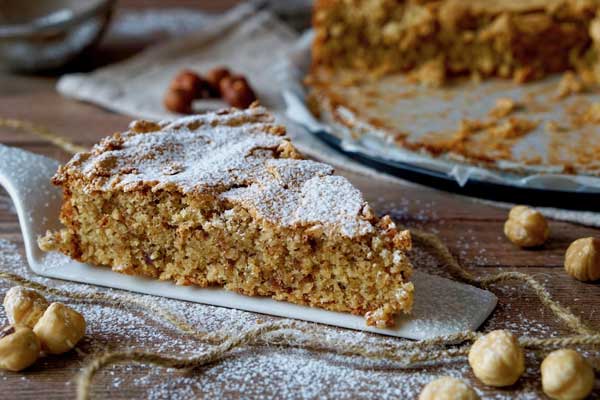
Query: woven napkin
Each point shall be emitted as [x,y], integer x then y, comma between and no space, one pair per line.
[249,41]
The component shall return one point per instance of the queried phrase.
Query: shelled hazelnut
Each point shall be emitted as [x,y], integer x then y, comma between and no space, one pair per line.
[186,80]
[218,82]
[214,78]
[193,83]
[24,306]
[19,347]
[497,358]
[60,328]
[582,259]
[236,91]
[448,388]
[179,101]
[566,375]
[526,227]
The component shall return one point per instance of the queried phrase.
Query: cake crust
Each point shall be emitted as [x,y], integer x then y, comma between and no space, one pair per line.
[225,199]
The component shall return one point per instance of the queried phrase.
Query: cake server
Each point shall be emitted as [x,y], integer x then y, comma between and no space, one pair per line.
[441,307]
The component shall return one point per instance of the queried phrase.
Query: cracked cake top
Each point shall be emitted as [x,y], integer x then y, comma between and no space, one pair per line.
[241,156]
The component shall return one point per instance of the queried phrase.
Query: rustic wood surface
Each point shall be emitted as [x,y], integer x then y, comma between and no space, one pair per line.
[456,219]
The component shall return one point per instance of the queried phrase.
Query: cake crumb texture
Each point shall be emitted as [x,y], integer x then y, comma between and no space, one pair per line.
[224,199]
[519,39]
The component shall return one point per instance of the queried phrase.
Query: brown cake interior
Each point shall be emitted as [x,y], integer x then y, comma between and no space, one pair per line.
[251,217]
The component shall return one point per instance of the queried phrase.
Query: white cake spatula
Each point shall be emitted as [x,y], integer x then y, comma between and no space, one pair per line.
[441,307]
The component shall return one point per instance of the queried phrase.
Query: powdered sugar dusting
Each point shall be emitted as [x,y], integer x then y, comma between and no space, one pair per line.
[333,193]
[240,156]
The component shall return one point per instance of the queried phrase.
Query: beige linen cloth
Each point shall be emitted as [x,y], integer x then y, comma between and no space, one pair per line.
[249,41]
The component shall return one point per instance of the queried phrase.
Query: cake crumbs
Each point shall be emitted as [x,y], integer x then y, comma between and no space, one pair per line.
[504,106]
[569,84]
[513,128]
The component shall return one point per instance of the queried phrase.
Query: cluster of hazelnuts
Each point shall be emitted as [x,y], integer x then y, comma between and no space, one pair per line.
[219,82]
[497,359]
[527,227]
[35,327]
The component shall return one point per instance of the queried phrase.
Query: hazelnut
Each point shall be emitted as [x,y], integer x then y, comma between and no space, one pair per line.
[448,388]
[236,91]
[191,82]
[566,375]
[186,80]
[60,328]
[582,259]
[19,348]
[179,101]
[526,227]
[497,358]
[214,78]
[24,306]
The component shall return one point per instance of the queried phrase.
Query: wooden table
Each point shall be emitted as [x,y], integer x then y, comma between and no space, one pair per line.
[472,230]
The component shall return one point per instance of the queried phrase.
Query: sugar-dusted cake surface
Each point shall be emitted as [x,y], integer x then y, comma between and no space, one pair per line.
[225,199]
[436,39]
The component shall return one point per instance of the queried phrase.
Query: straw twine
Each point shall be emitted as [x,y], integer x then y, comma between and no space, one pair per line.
[43,133]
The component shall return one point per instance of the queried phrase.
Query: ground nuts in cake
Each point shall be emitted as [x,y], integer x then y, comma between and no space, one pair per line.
[19,347]
[566,375]
[24,306]
[448,388]
[60,328]
[497,358]
[526,227]
[582,259]
[236,91]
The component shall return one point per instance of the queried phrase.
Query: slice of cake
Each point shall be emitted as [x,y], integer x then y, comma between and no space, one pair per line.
[224,199]
[522,39]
